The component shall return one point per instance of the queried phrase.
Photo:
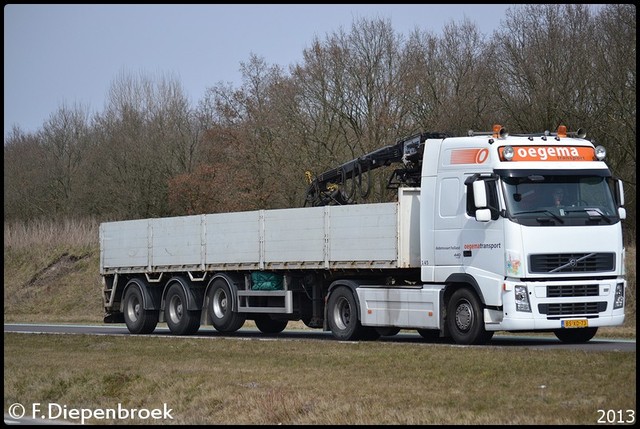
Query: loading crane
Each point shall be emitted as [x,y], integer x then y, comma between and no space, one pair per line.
[330,187]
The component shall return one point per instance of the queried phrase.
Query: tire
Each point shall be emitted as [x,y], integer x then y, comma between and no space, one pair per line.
[180,320]
[465,318]
[430,334]
[388,332]
[220,308]
[343,315]
[267,325]
[575,336]
[137,319]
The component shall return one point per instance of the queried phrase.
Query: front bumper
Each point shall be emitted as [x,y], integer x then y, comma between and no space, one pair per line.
[552,304]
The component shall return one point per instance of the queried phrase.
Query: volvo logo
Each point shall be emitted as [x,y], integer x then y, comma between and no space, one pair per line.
[573,262]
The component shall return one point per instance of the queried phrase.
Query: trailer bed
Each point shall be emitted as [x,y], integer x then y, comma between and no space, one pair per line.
[362,236]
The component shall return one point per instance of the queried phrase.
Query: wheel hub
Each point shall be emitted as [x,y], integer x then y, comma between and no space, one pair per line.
[464,316]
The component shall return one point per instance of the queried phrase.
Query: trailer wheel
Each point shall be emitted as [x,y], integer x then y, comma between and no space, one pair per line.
[180,320]
[267,325]
[220,308]
[465,319]
[575,336]
[137,319]
[343,315]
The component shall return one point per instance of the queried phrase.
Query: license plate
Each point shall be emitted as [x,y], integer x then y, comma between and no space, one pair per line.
[583,323]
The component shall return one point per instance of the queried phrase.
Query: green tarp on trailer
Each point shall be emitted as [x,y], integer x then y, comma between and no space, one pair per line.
[266,281]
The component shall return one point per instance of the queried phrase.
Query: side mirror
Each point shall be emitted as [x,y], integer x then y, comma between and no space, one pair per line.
[483,215]
[622,213]
[479,194]
[620,193]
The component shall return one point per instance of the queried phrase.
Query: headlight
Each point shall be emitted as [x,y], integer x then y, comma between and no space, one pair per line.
[618,301]
[522,299]
[507,153]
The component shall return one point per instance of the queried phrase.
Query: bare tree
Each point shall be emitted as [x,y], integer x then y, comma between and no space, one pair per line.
[146,137]
[65,143]
[449,82]
[543,69]
[614,119]
[351,98]
[466,75]
[318,113]
[240,141]
[25,184]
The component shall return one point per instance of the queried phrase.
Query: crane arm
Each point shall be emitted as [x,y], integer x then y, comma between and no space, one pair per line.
[327,188]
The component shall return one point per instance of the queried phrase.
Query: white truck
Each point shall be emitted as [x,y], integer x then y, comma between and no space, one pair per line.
[475,243]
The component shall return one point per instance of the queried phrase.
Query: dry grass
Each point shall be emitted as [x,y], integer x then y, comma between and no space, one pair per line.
[236,381]
[50,234]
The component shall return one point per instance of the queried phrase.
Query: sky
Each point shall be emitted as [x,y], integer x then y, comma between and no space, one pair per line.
[69,54]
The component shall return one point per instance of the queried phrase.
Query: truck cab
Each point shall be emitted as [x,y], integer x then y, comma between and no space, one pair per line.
[530,227]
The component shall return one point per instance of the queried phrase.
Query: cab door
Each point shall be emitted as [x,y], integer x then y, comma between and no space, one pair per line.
[482,242]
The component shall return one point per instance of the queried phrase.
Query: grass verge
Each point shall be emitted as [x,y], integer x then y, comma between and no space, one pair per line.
[239,381]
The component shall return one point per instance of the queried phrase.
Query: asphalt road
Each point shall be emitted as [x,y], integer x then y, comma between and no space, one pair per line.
[206,332]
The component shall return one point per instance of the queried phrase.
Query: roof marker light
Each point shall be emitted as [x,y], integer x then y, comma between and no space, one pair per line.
[562,131]
[601,153]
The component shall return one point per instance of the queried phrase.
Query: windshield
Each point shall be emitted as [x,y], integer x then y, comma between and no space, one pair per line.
[551,199]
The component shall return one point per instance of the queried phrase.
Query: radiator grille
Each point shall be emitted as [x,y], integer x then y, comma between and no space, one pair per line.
[572,290]
[572,309]
[554,263]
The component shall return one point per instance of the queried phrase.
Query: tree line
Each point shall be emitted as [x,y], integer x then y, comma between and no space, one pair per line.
[152,153]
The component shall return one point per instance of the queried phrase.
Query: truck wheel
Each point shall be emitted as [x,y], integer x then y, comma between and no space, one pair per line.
[465,319]
[575,336]
[343,315]
[138,320]
[267,325]
[180,320]
[220,309]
